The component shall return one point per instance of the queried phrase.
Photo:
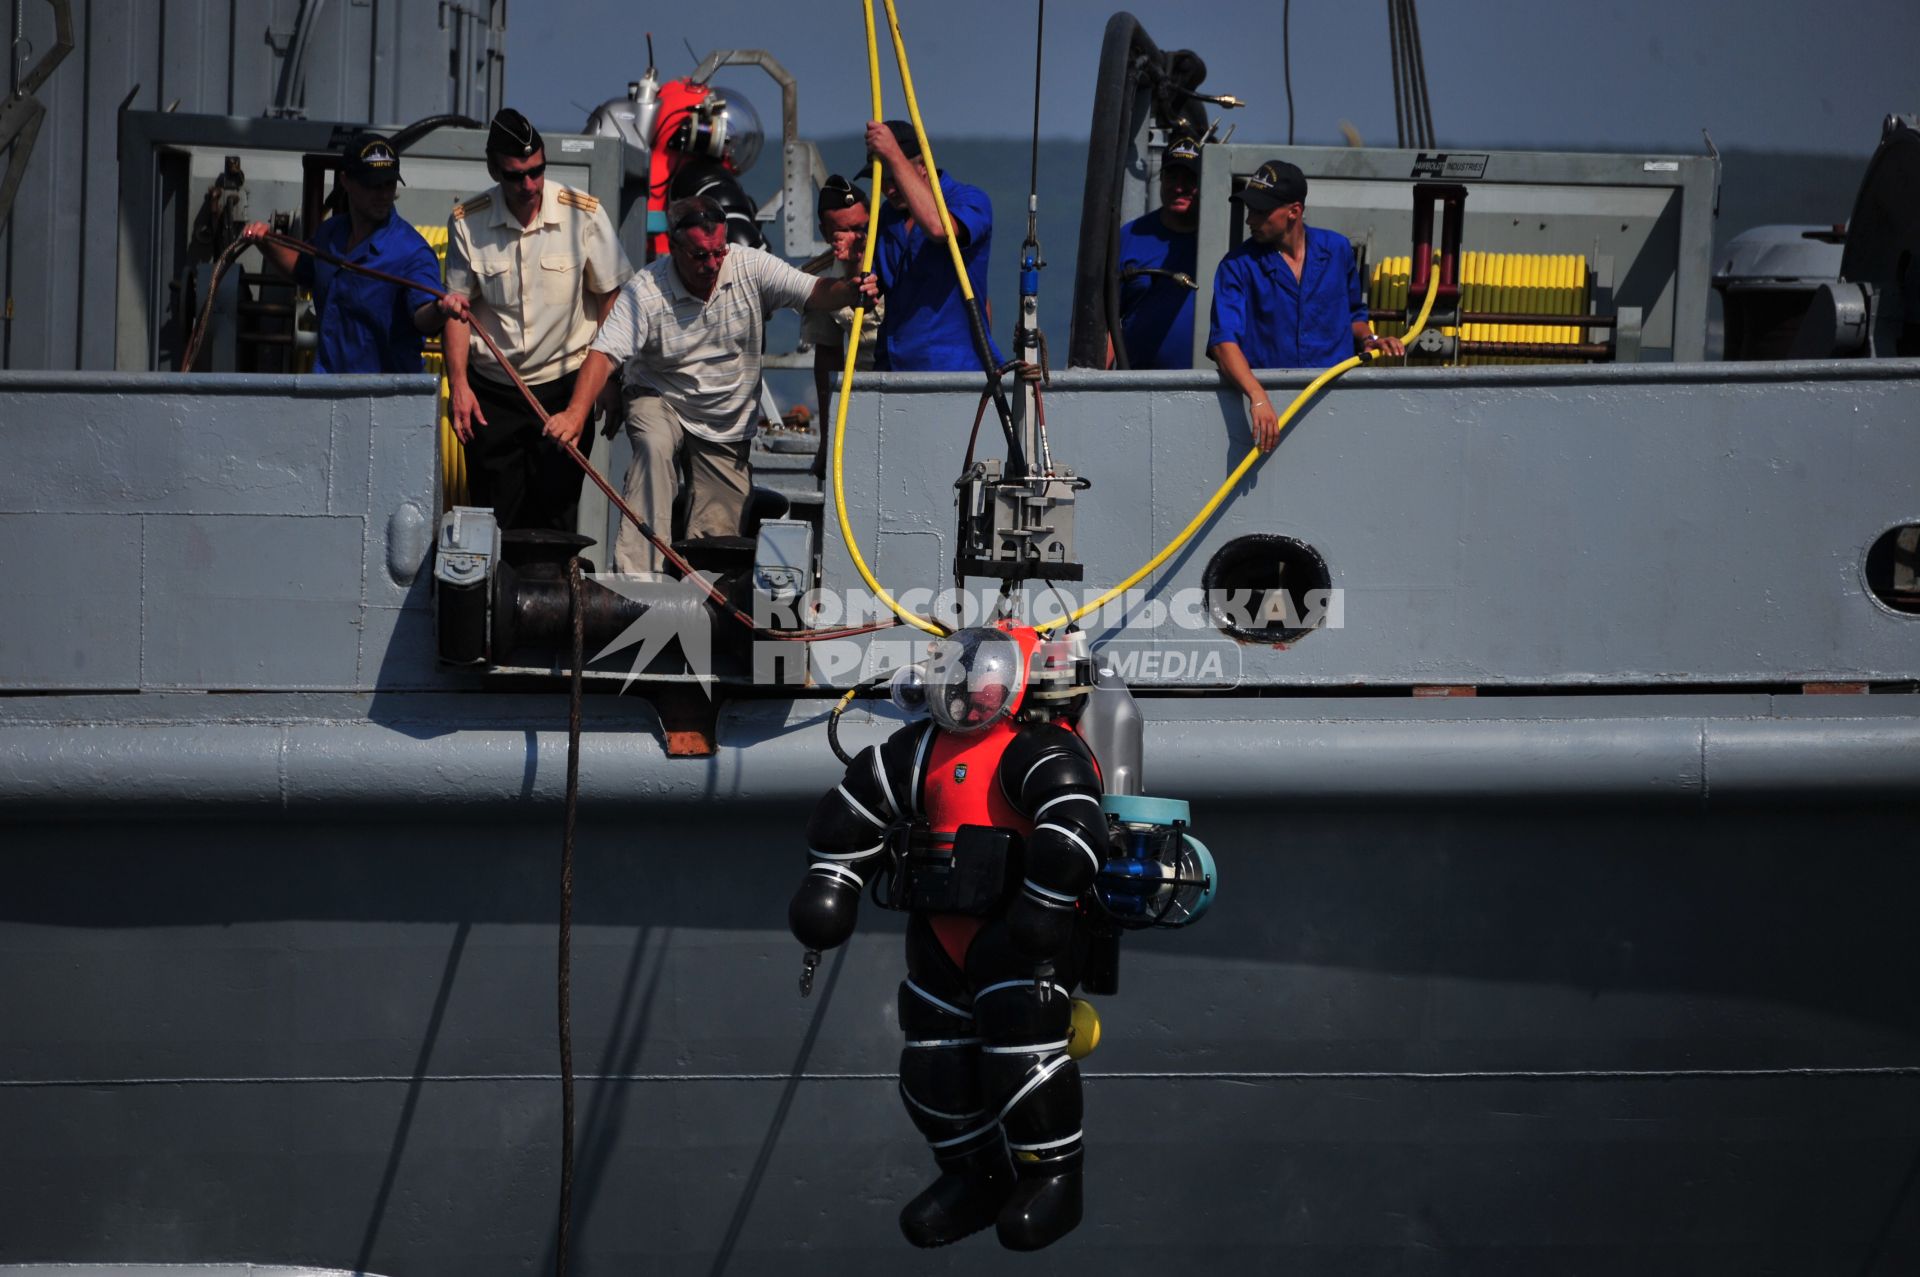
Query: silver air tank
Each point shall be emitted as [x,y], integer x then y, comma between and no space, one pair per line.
[1112,728]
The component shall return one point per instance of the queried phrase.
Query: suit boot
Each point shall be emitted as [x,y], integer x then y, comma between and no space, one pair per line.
[1045,1204]
[965,1199]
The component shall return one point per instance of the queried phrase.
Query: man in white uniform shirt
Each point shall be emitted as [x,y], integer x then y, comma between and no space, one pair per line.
[535,264]
[689,329]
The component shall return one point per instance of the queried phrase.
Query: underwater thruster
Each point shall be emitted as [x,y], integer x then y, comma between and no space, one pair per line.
[1156,875]
[1160,875]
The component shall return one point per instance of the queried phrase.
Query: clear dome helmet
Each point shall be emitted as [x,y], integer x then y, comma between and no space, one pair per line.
[983,674]
[723,126]
[976,677]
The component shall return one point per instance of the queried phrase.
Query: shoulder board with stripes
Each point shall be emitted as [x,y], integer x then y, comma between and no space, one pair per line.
[578,199]
[474,205]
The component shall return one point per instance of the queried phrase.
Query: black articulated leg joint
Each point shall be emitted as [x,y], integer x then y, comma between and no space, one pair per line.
[940,1086]
[1032,1083]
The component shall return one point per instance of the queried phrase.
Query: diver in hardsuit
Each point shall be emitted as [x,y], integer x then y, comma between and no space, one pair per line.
[993,808]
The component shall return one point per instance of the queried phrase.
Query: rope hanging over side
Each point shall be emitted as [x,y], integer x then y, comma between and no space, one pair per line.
[575,589]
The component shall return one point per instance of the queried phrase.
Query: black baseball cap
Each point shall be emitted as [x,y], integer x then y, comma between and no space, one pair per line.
[371,158]
[512,136]
[1273,184]
[903,134]
[1182,152]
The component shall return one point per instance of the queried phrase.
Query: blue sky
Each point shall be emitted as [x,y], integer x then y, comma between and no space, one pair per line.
[1628,74]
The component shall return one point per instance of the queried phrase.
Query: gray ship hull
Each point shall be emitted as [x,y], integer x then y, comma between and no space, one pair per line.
[1478,1036]
[1584,978]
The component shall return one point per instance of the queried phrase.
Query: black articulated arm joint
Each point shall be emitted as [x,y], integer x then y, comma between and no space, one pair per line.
[1049,776]
[848,833]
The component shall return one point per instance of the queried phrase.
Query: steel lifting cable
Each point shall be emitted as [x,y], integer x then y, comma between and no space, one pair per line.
[673,557]
[1033,160]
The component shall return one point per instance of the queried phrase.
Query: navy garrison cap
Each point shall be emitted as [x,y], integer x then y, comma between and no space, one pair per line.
[512,136]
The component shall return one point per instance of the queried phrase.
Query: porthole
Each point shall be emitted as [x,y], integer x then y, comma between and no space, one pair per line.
[1893,568]
[1268,589]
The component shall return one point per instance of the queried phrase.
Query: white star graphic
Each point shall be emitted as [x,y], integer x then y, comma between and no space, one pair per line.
[673,609]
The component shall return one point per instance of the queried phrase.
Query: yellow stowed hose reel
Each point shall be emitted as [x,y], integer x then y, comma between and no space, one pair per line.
[453,455]
[1499,283]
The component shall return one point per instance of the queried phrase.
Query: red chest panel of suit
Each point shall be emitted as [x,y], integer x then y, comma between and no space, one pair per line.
[962,785]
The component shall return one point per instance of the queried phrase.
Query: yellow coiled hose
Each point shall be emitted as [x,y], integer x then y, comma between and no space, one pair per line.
[453,456]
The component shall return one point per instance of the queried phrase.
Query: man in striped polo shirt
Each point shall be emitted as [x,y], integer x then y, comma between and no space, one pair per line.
[689,330]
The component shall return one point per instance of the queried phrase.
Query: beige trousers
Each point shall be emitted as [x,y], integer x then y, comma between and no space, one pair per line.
[718,473]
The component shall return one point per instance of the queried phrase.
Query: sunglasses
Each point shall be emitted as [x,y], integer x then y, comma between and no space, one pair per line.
[715,255]
[528,175]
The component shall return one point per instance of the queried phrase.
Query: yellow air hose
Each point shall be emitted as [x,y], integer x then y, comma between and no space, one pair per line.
[966,289]
[859,320]
[926,147]
[1247,463]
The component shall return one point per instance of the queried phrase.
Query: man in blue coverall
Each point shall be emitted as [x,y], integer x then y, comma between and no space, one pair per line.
[1288,296]
[1156,310]
[927,329]
[366,324]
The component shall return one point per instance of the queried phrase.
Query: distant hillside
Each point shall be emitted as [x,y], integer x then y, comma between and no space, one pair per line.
[1756,188]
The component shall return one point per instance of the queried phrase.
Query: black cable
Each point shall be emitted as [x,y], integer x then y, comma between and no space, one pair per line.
[1420,71]
[1286,60]
[1122,141]
[412,133]
[833,731]
[1393,51]
[575,585]
[840,707]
